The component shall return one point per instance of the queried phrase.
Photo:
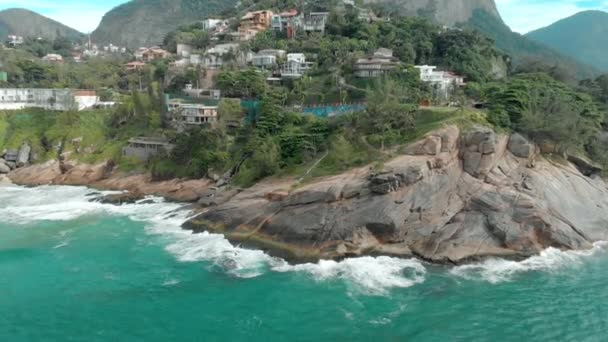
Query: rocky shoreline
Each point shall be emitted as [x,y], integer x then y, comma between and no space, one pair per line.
[103,177]
[452,197]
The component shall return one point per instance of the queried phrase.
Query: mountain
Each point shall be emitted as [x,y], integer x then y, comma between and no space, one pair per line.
[26,23]
[583,36]
[146,22]
[523,50]
[446,12]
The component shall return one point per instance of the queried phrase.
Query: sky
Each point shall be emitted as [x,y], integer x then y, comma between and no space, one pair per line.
[521,15]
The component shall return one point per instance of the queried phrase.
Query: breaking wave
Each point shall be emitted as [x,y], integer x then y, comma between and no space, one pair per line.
[374,276]
[550,260]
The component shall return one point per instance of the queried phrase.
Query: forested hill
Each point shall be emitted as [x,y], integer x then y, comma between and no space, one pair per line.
[527,52]
[146,22]
[583,36]
[26,23]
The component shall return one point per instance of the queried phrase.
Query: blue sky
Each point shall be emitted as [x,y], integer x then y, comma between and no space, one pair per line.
[521,15]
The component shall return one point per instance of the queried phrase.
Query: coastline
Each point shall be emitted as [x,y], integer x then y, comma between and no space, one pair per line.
[451,198]
[103,177]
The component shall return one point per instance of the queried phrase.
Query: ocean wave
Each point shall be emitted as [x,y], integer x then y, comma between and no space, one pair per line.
[550,260]
[371,275]
[64,203]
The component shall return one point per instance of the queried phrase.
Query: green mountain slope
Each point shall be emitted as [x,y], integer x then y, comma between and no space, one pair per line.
[30,24]
[583,36]
[521,48]
[146,22]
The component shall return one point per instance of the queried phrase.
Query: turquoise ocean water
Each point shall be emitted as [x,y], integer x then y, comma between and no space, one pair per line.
[72,270]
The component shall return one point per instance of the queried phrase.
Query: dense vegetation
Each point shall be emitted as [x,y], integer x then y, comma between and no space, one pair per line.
[267,135]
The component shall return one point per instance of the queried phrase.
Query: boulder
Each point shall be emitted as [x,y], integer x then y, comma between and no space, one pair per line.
[520,147]
[449,138]
[430,146]
[4,168]
[352,190]
[23,156]
[310,196]
[472,160]
[587,167]
[122,198]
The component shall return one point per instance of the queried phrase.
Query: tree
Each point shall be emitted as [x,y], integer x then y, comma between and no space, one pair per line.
[387,115]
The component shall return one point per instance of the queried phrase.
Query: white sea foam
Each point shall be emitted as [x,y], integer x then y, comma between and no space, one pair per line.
[551,260]
[20,205]
[374,276]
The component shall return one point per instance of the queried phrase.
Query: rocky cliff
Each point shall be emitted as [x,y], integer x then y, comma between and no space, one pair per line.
[446,12]
[453,197]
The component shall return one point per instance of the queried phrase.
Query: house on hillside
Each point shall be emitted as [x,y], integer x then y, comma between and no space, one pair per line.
[150,54]
[49,99]
[219,55]
[210,24]
[443,82]
[268,58]
[315,22]
[263,61]
[254,22]
[14,40]
[209,94]
[193,113]
[85,99]
[287,22]
[380,63]
[296,66]
[144,148]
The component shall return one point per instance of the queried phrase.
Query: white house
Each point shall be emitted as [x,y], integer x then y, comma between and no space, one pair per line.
[14,40]
[215,57]
[210,24]
[296,66]
[85,99]
[49,99]
[442,81]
